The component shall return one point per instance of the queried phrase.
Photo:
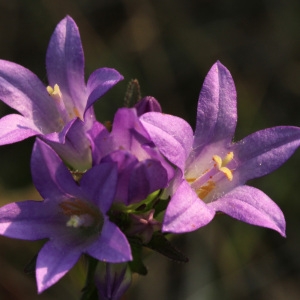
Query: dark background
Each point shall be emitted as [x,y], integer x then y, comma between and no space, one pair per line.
[169,46]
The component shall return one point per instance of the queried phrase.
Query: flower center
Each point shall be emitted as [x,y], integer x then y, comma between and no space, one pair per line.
[82,214]
[67,113]
[207,182]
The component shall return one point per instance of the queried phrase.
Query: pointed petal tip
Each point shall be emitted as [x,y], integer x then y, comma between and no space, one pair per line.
[282,233]
[252,206]
[67,18]
[186,212]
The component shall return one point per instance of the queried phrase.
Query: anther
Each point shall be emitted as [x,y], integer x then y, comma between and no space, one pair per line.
[54,91]
[221,164]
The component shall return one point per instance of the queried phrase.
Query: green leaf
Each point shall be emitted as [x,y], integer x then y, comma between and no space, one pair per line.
[160,205]
[162,245]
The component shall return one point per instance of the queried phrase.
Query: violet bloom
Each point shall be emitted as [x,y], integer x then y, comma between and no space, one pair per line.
[112,280]
[141,167]
[212,170]
[62,112]
[73,217]
[147,104]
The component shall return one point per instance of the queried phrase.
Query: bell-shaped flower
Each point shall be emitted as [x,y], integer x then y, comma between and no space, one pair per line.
[112,280]
[147,104]
[51,112]
[72,216]
[141,167]
[212,169]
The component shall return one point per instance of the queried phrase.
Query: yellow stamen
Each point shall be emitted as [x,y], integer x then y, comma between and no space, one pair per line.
[227,172]
[228,158]
[53,91]
[221,164]
[218,160]
[204,190]
[190,180]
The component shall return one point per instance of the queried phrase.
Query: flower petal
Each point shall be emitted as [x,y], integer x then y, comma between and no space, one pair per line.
[252,206]
[15,128]
[186,212]
[128,132]
[147,176]
[216,112]
[147,104]
[264,151]
[100,81]
[72,145]
[65,64]
[172,135]
[101,142]
[53,262]
[125,163]
[99,184]
[29,220]
[24,92]
[50,176]
[112,245]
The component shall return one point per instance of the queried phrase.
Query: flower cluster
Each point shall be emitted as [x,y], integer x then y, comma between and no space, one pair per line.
[109,192]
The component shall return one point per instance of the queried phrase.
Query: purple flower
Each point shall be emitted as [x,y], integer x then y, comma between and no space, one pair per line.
[141,168]
[212,170]
[112,280]
[72,216]
[52,112]
[147,104]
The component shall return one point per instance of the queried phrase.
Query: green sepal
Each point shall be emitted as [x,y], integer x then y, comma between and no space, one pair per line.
[137,265]
[160,206]
[137,208]
[162,245]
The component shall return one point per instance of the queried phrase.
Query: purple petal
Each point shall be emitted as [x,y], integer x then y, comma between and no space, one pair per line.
[101,142]
[58,137]
[147,177]
[73,145]
[172,135]
[112,280]
[29,220]
[112,245]
[65,64]
[24,92]
[53,262]
[147,104]
[99,184]
[125,162]
[15,128]
[100,82]
[216,112]
[128,132]
[252,206]
[186,212]
[264,151]
[50,176]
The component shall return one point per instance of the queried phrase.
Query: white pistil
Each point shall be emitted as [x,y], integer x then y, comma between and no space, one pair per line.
[77,221]
[208,181]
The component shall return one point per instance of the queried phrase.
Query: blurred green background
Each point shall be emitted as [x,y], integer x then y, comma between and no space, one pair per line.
[169,47]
